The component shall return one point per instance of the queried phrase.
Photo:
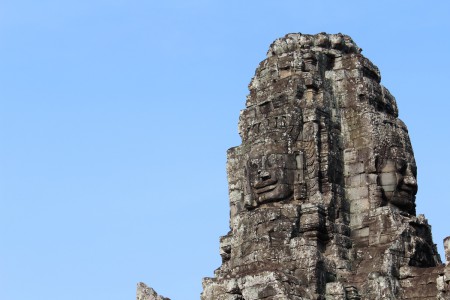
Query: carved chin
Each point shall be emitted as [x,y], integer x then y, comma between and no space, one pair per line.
[403,199]
[272,193]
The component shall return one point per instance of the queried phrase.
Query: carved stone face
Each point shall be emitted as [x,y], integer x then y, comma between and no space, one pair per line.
[397,178]
[269,128]
[396,166]
[271,176]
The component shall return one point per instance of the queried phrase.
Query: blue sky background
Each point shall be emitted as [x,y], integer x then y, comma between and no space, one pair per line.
[115,117]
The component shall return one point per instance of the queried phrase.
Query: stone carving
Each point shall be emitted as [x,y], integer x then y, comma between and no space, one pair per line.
[270,175]
[396,167]
[322,188]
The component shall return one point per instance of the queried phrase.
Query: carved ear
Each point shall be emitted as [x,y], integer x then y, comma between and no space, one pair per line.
[300,163]
[378,163]
[249,201]
[296,125]
[299,183]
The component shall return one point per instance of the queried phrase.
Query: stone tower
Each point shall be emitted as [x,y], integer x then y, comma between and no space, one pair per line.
[322,188]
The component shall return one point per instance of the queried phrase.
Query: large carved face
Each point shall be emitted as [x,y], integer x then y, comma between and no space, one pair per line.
[397,170]
[269,128]
[271,176]
[398,180]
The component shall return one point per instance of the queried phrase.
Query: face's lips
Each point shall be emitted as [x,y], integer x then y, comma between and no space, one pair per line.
[266,189]
[404,194]
[265,186]
[409,189]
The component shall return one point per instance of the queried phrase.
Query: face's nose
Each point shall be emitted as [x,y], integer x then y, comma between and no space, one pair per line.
[263,174]
[409,178]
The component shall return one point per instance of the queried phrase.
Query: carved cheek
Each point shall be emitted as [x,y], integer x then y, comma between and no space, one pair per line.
[252,168]
[388,181]
[399,177]
[284,175]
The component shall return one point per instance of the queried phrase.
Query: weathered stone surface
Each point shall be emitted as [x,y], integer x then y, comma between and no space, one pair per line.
[322,188]
[447,250]
[144,292]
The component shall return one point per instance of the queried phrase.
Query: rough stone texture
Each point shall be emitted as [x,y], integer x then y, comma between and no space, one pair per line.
[147,293]
[322,188]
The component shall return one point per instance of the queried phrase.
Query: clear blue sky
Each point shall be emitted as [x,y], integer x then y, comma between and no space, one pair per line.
[115,116]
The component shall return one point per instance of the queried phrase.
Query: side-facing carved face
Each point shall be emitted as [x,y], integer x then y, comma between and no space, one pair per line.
[397,178]
[271,176]
[395,164]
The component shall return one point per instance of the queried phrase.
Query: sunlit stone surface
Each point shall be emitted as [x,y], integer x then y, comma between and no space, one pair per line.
[322,189]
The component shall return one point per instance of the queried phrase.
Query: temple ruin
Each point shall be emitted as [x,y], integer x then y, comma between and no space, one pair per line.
[322,188]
